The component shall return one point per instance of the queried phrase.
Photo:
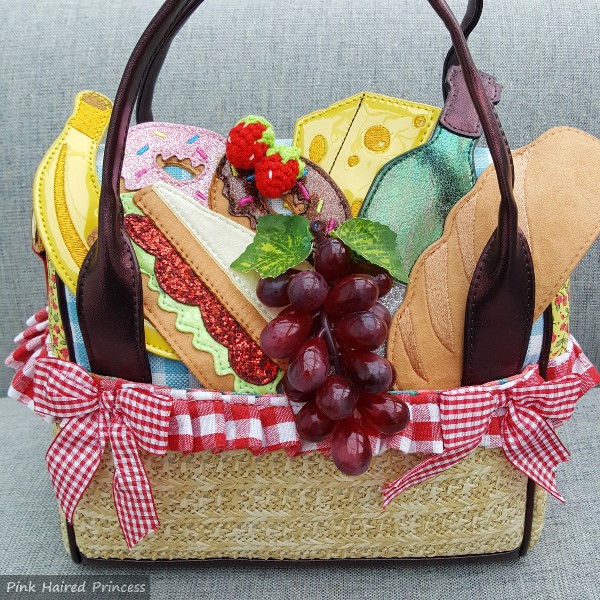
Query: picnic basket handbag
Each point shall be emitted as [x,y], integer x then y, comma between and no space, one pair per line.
[353,344]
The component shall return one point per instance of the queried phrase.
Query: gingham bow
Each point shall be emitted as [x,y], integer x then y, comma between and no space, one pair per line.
[528,439]
[98,409]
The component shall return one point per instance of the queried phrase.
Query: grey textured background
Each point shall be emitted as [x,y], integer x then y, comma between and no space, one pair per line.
[284,60]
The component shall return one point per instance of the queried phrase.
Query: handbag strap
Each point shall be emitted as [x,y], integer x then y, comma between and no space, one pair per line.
[144,112]
[468,24]
[109,294]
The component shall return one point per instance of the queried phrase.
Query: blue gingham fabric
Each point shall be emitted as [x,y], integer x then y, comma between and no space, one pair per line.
[165,371]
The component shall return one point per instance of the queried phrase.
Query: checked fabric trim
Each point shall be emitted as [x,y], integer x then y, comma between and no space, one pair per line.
[97,411]
[517,414]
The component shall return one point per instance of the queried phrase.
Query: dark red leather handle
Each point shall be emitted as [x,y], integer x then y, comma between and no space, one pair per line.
[144,112]
[468,24]
[109,296]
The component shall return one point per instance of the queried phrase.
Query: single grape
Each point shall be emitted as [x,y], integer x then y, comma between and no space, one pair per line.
[337,397]
[283,336]
[310,366]
[312,424]
[360,331]
[382,313]
[384,412]
[351,294]
[294,395]
[369,372]
[379,274]
[307,291]
[272,291]
[350,448]
[333,259]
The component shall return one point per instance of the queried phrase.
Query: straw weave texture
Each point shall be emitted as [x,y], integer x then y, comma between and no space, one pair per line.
[235,505]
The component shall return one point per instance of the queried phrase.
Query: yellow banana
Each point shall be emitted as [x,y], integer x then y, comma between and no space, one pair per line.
[66,192]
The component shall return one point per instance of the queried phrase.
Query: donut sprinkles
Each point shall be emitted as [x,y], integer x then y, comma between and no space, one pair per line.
[315,196]
[183,156]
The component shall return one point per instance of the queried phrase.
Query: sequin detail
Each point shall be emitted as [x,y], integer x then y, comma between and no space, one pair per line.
[201,147]
[177,279]
[323,198]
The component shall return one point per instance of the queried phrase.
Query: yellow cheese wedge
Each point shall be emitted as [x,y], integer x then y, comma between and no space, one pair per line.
[354,138]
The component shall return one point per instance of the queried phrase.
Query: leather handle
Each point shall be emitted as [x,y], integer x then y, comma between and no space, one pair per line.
[109,296]
[468,24]
[144,112]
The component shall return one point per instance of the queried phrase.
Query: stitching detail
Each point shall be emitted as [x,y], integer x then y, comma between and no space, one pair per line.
[450,105]
[241,319]
[210,247]
[419,265]
[315,115]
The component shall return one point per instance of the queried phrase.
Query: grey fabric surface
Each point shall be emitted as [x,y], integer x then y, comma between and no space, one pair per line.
[564,566]
[238,57]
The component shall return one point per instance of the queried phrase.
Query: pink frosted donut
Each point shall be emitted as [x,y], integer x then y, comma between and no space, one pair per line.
[183,156]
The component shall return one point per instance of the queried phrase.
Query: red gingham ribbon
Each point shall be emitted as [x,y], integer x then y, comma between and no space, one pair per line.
[100,410]
[528,439]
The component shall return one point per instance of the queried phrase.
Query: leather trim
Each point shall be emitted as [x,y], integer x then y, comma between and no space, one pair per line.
[468,24]
[458,114]
[76,555]
[499,313]
[144,113]
[531,485]
[546,342]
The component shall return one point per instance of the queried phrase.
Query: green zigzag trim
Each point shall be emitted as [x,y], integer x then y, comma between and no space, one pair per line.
[189,319]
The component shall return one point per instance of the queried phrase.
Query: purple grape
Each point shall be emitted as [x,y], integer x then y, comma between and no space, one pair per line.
[272,291]
[283,336]
[384,412]
[382,313]
[333,259]
[294,395]
[360,331]
[312,424]
[369,372]
[337,397]
[310,366]
[379,274]
[307,291]
[351,294]
[350,448]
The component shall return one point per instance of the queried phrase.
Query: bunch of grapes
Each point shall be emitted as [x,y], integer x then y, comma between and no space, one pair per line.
[328,331]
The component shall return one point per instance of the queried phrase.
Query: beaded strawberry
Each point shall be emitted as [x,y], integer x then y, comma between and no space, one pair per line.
[249,141]
[277,172]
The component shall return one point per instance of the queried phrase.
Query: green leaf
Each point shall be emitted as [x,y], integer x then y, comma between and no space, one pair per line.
[281,242]
[374,242]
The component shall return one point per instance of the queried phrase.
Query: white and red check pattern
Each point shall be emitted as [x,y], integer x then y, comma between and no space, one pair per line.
[528,409]
[31,345]
[96,411]
[518,415]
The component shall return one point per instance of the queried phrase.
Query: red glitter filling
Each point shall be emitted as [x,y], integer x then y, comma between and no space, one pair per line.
[178,280]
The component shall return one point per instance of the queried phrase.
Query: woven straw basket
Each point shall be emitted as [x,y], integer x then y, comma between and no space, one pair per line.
[236,505]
